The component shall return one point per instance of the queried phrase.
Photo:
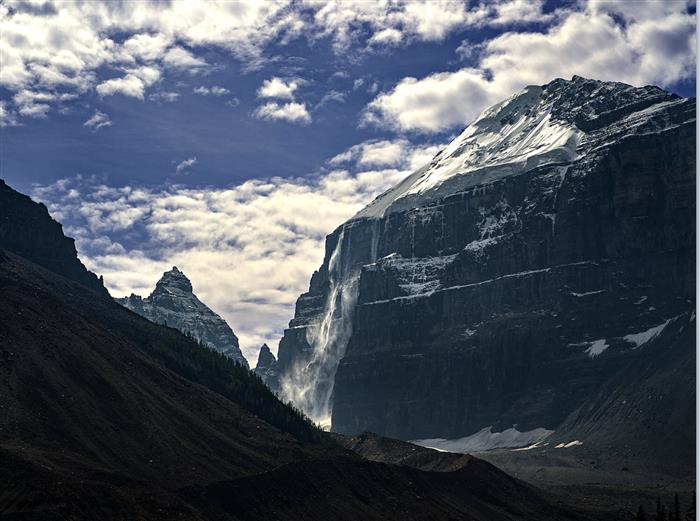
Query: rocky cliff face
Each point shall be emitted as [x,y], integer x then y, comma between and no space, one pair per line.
[266,368]
[173,303]
[27,229]
[531,264]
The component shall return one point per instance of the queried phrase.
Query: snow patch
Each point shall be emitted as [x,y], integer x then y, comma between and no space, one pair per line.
[587,293]
[639,339]
[509,138]
[513,136]
[418,276]
[486,439]
[597,347]
[575,443]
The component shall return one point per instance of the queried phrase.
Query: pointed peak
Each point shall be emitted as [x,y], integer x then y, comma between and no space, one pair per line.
[265,357]
[175,279]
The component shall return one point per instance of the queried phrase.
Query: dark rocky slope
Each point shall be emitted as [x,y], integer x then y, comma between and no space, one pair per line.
[531,276]
[173,303]
[27,229]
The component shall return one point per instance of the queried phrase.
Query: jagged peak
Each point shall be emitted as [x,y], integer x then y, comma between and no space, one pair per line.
[174,279]
[265,357]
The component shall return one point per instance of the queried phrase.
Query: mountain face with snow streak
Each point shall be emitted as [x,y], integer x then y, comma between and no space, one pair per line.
[541,264]
[173,303]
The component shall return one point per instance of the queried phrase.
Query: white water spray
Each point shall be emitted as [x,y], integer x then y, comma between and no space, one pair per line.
[309,384]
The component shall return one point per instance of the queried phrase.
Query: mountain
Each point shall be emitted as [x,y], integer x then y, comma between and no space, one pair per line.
[106,415]
[173,303]
[266,368]
[533,284]
[27,228]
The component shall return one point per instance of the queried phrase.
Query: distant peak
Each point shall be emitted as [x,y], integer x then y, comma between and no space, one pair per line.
[266,358]
[175,279]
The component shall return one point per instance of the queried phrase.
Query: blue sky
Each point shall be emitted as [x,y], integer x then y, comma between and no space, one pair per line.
[229,137]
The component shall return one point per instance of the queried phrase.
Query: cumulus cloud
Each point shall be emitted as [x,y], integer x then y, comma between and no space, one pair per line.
[215,90]
[249,249]
[133,84]
[165,96]
[332,96]
[279,88]
[398,153]
[185,165]
[179,58]
[348,23]
[75,46]
[98,120]
[291,112]
[72,45]
[388,36]
[656,44]
[7,117]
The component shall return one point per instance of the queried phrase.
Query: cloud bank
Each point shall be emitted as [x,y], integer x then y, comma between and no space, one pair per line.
[248,249]
[73,47]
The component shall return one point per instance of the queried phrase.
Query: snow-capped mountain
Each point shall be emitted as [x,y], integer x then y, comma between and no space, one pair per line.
[516,280]
[173,303]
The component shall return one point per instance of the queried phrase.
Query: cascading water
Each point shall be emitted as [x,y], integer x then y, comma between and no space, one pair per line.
[309,384]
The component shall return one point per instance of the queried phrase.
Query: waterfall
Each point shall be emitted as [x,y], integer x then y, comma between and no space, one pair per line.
[309,382]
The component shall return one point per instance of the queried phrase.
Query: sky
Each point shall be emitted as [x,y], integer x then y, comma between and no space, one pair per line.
[229,138]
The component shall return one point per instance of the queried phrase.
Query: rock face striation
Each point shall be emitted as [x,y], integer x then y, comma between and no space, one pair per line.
[540,257]
[173,303]
[266,368]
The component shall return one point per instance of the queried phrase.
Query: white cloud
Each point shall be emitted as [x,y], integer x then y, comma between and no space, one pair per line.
[219,91]
[98,120]
[279,88]
[75,46]
[518,12]
[185,165]
[179,58]
[434,103]
[388,36]
[36,103]
[7,117]
[348,23]
[399,153]
[35,110]
[147,47]
[332,96]
[216,90]
[291,112]
[133,84]
[656,45]
[249,249]
[165,96]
